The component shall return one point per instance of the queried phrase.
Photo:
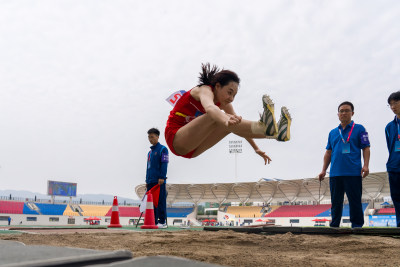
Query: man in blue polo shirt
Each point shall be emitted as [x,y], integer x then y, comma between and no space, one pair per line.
[343,152]
[392,131]
[157,164]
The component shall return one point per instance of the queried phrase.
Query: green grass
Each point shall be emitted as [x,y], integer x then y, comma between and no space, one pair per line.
[170,228]
[132,228]
[57,226]
[8,232]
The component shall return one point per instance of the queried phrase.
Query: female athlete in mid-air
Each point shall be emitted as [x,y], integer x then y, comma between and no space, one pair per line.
[204,115]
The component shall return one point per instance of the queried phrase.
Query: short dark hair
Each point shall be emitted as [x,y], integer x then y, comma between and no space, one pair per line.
[346,103]
[394,97]
[154,131]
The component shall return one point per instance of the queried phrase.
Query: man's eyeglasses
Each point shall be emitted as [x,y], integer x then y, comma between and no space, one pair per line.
[344,111]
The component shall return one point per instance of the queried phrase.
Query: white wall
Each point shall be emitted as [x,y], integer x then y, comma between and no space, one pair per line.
[63,220]
[16,219]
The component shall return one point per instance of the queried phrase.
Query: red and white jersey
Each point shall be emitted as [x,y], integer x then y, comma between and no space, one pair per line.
[185,110]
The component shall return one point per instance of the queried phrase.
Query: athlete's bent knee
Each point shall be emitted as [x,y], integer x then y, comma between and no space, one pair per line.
[194,155]
[181,150]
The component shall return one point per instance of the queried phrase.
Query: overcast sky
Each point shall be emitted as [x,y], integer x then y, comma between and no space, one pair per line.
[81,82]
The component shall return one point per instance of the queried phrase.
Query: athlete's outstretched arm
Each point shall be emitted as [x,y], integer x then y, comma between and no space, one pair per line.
[229,110]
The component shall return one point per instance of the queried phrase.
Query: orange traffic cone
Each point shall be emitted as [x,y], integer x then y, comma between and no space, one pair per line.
[149,221]
[115,214]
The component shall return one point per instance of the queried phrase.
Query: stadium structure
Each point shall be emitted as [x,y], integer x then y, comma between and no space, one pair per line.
[300,202]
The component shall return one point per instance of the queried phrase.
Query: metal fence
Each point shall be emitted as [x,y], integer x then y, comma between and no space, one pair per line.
[74,202]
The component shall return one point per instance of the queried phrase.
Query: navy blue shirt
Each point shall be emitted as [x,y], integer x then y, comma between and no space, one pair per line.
[157,163]
[348,164]
[393,163]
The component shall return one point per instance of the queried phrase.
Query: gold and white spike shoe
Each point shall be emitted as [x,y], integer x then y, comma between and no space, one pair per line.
[268,116]
[284,125]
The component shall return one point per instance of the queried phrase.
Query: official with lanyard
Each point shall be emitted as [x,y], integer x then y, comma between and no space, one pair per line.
[346,144]
[343,154]
[392,132]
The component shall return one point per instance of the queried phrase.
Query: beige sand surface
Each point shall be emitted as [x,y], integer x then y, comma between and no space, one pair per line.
[232,248]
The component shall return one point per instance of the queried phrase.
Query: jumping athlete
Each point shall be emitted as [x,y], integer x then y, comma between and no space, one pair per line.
[204,115]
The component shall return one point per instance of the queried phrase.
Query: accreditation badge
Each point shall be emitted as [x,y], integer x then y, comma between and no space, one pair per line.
[397,146]
[346,148]
[364,138]
[164,158]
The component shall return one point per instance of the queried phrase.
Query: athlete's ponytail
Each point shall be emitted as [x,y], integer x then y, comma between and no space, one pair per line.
[212,75]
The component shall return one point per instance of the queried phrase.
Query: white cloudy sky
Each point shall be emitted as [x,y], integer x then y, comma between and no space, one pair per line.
[81,82]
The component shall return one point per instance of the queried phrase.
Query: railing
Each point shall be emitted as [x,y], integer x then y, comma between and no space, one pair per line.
[61,201]
[84,202]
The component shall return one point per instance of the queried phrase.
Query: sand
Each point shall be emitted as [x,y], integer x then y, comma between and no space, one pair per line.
[232,248]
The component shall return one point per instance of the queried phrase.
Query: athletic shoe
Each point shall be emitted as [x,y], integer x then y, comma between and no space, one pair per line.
[268,116]
[162,225]
[284,125]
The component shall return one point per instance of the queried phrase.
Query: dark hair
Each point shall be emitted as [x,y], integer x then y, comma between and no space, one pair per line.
[394,97]
[346,103]
[212,75]
[154,131]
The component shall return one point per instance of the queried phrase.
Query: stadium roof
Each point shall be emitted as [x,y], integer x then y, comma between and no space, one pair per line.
[375,186]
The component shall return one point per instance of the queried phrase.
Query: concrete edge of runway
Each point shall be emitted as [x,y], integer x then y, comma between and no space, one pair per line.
[309,230]
[17,254]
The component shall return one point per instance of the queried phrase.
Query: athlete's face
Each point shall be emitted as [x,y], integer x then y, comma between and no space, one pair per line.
[153,138]
[226,94]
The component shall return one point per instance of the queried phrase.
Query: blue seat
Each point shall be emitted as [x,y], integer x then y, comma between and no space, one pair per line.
[346,211]
[179,212]
[51,209]
[27,210]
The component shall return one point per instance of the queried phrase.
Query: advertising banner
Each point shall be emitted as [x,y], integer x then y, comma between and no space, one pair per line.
[382,220]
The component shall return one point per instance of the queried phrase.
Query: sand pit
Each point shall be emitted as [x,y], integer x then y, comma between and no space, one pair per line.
[231,248]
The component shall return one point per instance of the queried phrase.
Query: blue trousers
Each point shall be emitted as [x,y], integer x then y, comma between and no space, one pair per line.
[160,213]
[394,182]
[352,186]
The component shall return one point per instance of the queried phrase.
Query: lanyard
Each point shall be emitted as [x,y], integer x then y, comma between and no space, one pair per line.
[398,128]
[348,138]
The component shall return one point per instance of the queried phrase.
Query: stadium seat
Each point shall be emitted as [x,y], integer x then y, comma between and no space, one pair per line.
[299,210]
[94,210]
[245,211]
[11,207]
[388,211]
[51,209]
[126,211]
[179,212]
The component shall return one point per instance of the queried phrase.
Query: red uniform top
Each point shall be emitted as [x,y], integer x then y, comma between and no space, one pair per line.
[185,110]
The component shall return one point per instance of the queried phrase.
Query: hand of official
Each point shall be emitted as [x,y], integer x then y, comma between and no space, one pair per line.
[321,176]
[160,181]
[364,171]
